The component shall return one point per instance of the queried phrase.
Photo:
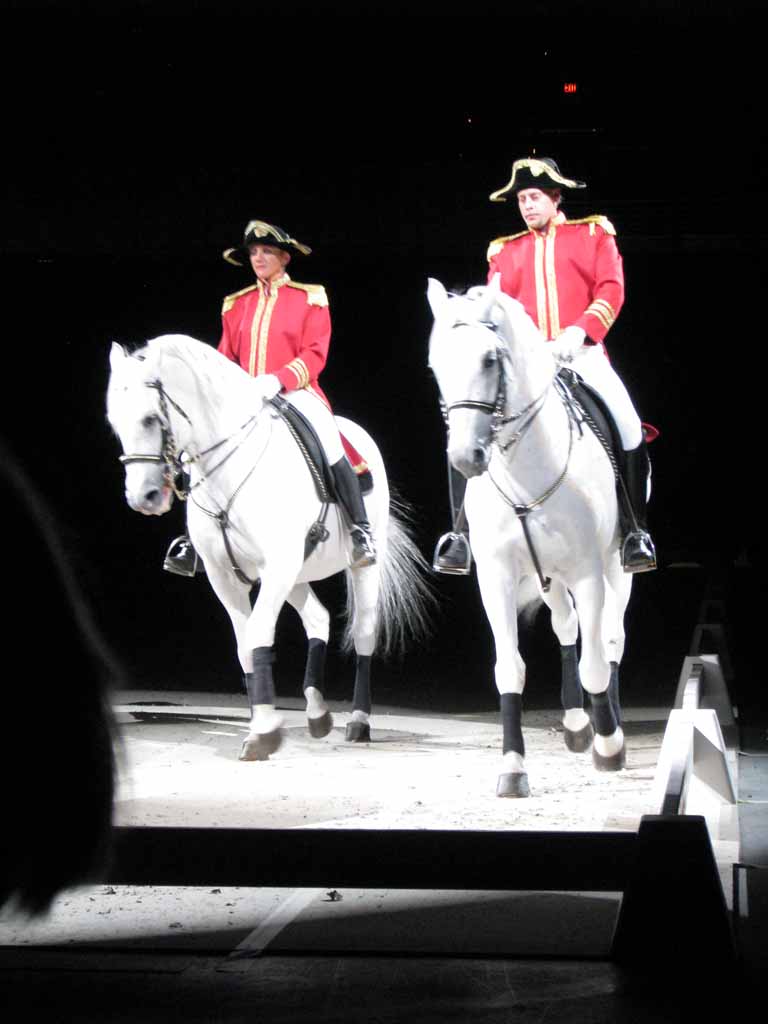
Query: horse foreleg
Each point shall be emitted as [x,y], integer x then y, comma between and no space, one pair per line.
[498,591]
[315,620]
[265,735]
[608,749]
[365,588]
[577,727]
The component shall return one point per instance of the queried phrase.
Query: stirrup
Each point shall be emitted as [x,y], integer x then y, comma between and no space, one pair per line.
[638,553]
[363,549]
[453,555]
[181,558]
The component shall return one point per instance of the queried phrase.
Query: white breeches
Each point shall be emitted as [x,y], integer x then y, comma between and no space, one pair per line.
[594,367]
[321,418]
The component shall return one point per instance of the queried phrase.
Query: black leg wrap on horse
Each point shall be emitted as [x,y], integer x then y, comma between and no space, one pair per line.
[259,682]
[314,670]
[361,698]
[613,691]
[571,692]
[511,723]
[604,718]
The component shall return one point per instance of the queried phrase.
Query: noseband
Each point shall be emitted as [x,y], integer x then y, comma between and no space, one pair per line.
[169,453]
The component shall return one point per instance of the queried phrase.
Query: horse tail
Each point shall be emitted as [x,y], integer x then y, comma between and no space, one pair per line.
[405,599]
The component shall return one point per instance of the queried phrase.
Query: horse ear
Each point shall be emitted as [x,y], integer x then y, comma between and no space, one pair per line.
[437,296]
[116,355]
[490,298]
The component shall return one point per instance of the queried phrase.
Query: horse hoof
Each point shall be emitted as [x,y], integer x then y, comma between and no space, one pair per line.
[580,740]
[358,732]
[319,727]
[513,784]
[259,746]
[612,762]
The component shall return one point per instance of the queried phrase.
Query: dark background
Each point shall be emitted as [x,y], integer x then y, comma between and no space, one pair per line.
[138,143]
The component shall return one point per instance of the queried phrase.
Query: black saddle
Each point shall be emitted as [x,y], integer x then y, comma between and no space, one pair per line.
[595,413]
[320,469]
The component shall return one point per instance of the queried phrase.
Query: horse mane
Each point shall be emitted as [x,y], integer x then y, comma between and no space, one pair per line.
[203,359]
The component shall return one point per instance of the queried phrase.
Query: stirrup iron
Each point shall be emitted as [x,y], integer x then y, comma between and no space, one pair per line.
[453,555]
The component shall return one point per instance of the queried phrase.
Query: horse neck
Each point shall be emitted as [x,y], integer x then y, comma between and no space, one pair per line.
[216,403]
[530,386]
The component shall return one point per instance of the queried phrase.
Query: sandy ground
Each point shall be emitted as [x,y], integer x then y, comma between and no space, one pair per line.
[418,771]
[180,767]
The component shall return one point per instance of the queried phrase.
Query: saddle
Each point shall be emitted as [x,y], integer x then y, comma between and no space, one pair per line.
[595,413]
[304,434]
[598,417]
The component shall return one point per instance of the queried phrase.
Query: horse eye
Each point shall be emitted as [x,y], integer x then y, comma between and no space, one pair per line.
[149,421]
[489,360]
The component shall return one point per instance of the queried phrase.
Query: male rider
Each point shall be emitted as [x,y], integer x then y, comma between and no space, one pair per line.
[568,275]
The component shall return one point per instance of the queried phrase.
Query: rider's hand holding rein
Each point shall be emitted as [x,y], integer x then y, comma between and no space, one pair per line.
[266,386]
[569,344]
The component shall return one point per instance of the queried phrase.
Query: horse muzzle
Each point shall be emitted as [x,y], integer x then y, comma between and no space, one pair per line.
[155,501]
[472,461]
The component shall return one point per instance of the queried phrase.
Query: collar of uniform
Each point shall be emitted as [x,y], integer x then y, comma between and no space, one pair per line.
[558,219]
[277,283]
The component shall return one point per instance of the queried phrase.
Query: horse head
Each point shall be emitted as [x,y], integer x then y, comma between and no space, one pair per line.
[138,411]
[485,353]
[465,357]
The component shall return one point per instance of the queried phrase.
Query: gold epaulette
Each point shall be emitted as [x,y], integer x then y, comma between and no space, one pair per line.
[498,244]
[596,218]
[315,292]
[229,300]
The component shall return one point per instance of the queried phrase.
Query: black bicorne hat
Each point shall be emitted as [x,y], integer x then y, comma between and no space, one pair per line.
[534,172]
[259,232]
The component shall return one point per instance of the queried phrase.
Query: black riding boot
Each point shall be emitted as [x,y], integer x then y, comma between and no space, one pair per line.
[181,558]
[351,498]
[638,553]
[452,552]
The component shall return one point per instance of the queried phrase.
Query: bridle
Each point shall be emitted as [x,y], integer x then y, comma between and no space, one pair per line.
[175,466]
[525,418]
[169,453]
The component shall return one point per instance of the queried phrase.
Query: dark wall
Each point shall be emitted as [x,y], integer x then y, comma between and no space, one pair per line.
[134,165]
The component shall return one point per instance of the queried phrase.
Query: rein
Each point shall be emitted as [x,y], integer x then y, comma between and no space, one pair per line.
[498,422]
[174,466]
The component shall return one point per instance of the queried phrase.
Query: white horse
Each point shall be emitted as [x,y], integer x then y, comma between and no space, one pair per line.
[252,500]
[542,510]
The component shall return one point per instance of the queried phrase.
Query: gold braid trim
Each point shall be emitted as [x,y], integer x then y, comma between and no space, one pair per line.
[229,300]
[315,293]
[498,244]
[299,369]
[596,218]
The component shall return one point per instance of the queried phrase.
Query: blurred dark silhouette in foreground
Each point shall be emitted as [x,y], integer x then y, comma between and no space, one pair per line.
[57,761]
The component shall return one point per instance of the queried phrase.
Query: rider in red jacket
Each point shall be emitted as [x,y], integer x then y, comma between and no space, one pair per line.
[569,277]
[278,331]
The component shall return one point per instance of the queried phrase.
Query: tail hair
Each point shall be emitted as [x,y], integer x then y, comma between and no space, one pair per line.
[406,598]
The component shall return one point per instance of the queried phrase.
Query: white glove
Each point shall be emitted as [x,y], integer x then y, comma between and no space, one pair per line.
[568,344]
[266,386]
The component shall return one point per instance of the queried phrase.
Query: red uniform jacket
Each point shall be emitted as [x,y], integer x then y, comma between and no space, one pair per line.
[571,274]
[284,329]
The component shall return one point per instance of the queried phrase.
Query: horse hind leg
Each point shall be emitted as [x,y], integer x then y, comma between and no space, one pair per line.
[315,620]
[363,590]
[578,732]
[359,727]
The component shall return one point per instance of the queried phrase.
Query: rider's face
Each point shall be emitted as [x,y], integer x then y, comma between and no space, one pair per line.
[268,261]
[537,208]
